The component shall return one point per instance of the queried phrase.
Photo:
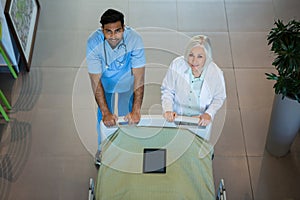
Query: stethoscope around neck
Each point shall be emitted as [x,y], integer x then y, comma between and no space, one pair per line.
[122,45]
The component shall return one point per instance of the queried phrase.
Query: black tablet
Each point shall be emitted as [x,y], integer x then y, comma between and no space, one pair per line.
[154,160]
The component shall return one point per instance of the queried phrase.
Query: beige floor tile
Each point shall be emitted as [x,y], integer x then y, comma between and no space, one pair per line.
[255,127]
[250,50]
[249,16]
[275,178]
[231,141]
[253,89]
[234,171]
[213,16]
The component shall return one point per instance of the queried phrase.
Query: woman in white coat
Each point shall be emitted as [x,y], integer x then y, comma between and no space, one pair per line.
[194,85]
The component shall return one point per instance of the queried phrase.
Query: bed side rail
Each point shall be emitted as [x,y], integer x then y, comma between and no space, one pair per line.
[221,192]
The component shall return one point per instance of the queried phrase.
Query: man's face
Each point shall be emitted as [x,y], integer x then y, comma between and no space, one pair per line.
[113,33]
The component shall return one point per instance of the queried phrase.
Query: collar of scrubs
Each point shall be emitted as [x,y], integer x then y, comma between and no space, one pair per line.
[108,47]
[113,54]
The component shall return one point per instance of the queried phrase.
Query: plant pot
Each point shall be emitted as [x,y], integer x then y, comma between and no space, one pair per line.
[284,125]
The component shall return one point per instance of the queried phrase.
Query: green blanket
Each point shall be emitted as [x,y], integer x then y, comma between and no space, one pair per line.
[188,172]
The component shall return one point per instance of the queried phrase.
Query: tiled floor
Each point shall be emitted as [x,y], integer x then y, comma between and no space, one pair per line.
[46,151]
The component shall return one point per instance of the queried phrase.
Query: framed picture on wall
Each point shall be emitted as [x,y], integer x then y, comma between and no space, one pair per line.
[22,19]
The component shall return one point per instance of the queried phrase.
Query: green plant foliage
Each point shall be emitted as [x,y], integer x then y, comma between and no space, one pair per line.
[285,43]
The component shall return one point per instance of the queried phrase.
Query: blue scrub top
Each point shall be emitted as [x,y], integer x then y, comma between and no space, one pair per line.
[117,76]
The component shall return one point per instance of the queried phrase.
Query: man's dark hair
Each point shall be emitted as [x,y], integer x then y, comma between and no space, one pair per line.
[112,16]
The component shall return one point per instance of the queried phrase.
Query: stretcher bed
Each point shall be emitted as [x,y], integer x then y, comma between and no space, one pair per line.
[187,161]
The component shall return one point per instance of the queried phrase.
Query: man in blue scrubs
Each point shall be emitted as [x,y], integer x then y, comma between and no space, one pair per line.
[116,64]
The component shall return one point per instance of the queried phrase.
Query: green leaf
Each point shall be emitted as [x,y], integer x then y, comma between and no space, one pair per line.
[284,40]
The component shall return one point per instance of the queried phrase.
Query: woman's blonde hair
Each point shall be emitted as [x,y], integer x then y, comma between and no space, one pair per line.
[202,41]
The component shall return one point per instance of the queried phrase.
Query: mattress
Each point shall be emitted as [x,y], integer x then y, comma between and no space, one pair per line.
[188,173]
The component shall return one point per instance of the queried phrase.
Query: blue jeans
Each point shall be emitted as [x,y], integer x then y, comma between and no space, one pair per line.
[125,102]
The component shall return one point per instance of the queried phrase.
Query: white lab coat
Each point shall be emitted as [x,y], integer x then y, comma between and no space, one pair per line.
[176,88]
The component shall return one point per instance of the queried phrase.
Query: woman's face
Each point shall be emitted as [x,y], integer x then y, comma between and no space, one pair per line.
[196,59]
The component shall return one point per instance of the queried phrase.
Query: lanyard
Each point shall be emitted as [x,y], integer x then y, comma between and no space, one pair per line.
[201,77]
[201,80]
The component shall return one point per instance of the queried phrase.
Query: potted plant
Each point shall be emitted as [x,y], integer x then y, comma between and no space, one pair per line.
[285,118]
